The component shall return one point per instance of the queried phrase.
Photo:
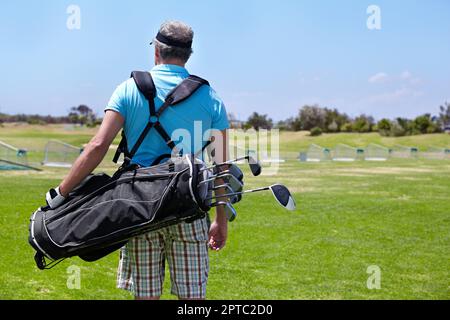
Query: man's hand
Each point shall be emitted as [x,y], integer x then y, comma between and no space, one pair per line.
[54,198]
[218,234]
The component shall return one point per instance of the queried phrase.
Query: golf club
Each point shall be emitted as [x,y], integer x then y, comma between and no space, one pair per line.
[232,169]
[233,199]
[229,179]
[230,211]
[280,192]
[225,173]
[255,166]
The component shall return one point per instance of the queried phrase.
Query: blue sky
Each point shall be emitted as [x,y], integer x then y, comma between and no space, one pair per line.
[266,56]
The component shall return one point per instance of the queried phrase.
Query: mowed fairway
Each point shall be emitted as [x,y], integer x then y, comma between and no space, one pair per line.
[394,215]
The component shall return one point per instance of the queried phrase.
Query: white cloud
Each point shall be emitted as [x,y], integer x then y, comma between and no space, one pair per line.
[409,77]
[378,78]
[406,75]
[395,96]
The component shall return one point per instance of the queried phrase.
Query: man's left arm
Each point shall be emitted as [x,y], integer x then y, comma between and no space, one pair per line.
[94,152]
[218,233]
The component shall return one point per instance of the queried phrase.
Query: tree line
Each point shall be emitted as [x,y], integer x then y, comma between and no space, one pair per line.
[311,118]
[81,115]
[320,120]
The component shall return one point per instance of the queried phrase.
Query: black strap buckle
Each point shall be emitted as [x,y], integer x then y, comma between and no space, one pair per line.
[154,119]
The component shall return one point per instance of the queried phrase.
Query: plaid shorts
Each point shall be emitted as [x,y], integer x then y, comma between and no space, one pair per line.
[184,246]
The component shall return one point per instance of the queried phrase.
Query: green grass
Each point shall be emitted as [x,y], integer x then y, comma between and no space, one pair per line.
[34,138]
[350,216]
[300,140]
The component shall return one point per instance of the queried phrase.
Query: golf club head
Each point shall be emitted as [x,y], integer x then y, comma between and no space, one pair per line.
[255,166]
[230,211]
[283,196]
[228,208]
[204,187]
[229,169]
[232,181]
[237,172]
[234,198]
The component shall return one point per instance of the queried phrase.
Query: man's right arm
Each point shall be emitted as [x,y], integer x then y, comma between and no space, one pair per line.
[94,152]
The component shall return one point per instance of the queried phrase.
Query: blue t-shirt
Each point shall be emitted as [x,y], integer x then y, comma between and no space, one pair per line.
[188,123]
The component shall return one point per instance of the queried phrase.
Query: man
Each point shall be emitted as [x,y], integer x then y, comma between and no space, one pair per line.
[184,246]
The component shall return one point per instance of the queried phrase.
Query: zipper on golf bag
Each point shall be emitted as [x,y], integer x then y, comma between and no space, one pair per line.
[112,183]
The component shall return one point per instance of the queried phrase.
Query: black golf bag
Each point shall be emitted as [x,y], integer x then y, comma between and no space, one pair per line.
[104,212]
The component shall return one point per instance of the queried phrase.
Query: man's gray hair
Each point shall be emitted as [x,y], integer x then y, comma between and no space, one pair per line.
[178,31]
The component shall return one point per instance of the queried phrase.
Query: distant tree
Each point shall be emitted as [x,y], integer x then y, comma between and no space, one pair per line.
[397,130]
[421,123]
[363,123]
[36,120]
[259,121]
[334,120]
[74,117]
[406,125]
[434,128]
[296,124]
[82,115]
[312,116]
[425,124]
[330,119]
[286,125]
[333,127]
[347,127]
[384,127]
[444,115]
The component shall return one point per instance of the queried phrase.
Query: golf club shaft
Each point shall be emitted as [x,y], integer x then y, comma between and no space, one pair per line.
[240,193]
[225,163]
[218,176]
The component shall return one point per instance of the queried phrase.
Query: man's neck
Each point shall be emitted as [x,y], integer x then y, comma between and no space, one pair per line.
[173,62]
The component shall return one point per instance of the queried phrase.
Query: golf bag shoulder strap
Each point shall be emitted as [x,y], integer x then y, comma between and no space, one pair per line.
[182,92]
[146,86]
[144,83]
